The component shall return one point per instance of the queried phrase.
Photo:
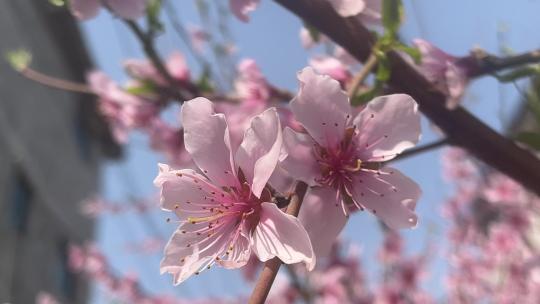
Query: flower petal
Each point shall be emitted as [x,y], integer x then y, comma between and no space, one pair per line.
[387,126]
[206,137]
[348,8]
[322,107]
[390,195]
[281,235]
[128,9]
[241,8]
[84,9]
[240,253]
[322,216]
[299,161]
[259,152]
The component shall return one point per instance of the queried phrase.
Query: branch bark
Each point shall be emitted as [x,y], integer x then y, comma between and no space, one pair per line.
[461,128]
[271,267]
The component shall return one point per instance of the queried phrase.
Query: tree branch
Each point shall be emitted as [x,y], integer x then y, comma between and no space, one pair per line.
[462,128]
[271,267]
[485,64]
[421,149]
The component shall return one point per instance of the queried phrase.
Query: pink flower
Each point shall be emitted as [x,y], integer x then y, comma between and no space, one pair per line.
[226,213]
[242,8]
[127,9]
[251,85]
[169,141]
[332,67]
[503,190]
[369,11]
[144,70]
[339,155]
[447,72]
[122,110]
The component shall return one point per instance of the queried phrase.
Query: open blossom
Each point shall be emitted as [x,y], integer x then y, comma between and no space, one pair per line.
[226,213]
[127,9]
[340,154]
[122,110]
[447,72]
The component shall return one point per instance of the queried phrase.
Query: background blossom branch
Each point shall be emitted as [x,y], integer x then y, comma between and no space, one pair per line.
[461,127]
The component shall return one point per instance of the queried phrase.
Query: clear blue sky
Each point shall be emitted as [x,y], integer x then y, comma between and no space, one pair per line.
[272,39]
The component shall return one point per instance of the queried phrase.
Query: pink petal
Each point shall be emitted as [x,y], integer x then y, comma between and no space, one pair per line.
[322,216]
[189,252]
[182,194]
[321,107]
[241,8]
[177,66]
[280,234]
[84,9]
[240,254]
[348,8]
[128,9]
[391,196]
[387,126]
[206,137]
[259,152]
[330,66]
[371,15]
[299,161]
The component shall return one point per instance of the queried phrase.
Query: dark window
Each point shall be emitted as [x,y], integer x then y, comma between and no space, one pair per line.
[66,280]
[21,202]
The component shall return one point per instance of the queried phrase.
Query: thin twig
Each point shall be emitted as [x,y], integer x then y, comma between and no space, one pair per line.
[56,83]
[488,64]
[148,47]
[362,75]
[271,267]
[422,149]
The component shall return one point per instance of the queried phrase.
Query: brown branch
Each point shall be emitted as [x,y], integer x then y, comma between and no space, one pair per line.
[485,64]
[271,267]
[422,149]
[462,128]
[57,83]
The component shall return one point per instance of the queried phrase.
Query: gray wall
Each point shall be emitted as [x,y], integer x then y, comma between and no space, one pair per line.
[51,144]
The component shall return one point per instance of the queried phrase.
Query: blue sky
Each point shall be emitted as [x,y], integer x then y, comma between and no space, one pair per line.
[272,39]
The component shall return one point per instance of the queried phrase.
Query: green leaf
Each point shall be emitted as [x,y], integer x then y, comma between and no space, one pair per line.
[204,83]
[518,73]
[152,16]
[144,88]
[411,51]
[531,139]
[392,11]
[383,69]
[19,59]
[313,32]
[366,96]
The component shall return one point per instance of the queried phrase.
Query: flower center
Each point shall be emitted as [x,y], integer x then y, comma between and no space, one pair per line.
[338,164]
